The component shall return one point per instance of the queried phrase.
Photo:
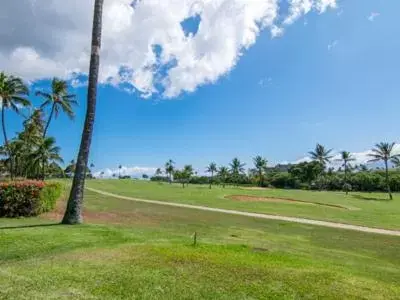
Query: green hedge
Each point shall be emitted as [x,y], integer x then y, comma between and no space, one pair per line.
[28,198]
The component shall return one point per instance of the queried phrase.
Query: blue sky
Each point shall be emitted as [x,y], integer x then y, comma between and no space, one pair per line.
[331,78]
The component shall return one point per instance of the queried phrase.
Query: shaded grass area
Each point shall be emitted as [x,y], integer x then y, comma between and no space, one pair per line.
[134,250]
[366,209]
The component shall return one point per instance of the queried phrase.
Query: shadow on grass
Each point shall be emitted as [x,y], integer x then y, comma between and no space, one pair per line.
[30,226]
[370,198]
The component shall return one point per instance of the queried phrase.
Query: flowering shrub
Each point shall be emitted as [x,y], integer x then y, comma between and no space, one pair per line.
[27,198]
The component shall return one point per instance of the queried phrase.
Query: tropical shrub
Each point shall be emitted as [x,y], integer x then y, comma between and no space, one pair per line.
[284,181]
[28,198]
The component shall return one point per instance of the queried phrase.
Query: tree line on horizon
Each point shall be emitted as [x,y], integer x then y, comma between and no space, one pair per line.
[305,175]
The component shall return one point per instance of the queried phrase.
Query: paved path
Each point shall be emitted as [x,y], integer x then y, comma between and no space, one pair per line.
[256,215]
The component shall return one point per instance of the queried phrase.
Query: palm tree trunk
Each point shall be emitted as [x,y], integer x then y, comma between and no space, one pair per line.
[211,178]
[73,213]
[43,169]
[3,124]
[387,180]
[49,121]
[345,176]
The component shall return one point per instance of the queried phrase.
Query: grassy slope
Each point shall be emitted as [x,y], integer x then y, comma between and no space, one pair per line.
[143,251]
[371,209]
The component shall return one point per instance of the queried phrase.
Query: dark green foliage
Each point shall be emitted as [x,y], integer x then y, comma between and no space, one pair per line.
[160,178]
[201,180]
[33,156]
[28,198]
[307,171]
[284,181]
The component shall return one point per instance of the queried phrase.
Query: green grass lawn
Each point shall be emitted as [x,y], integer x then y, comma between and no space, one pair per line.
[129,250]
[368,209]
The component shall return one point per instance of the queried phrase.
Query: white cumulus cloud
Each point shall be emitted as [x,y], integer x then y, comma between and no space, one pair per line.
[124,171]
[145,48]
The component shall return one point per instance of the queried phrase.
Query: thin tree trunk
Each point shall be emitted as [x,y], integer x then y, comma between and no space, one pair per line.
[43,169]
[387,181]
[3,123]
[49,121]
[211,178]
[345,176]
[73,213]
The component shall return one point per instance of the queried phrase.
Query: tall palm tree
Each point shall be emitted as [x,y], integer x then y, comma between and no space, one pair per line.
[169,169]
[237,168]
[73,213]
[321,154]
[260,164]
[13,94]
[187,173]
[223,174]
[346,157]
[46,153]
[119,171]
[212,168]
[384,152]
[59,100]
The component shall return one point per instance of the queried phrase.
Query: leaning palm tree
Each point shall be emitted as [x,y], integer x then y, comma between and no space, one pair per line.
[73,213]
[260,164]
[236,168]
[169,169]
[212,168]
[321,154]
[346,158]
[59,100]
[384,152]
[13,94]
[223,174]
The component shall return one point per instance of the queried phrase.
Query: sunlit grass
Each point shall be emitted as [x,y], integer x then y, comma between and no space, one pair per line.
[368,209]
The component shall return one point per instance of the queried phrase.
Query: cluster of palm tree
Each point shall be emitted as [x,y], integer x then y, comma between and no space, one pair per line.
[32,154]
[183,176]
[381,152]
[231,174]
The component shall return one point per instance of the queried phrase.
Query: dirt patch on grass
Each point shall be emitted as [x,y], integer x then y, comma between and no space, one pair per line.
[247,198]
[103,217]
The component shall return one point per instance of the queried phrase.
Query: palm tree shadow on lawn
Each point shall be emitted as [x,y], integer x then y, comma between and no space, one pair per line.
[360,197]
[30,226]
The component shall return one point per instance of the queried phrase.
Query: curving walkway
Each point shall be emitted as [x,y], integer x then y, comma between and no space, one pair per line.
[256,215]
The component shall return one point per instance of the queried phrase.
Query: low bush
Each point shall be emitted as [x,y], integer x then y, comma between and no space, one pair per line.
[28,198]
